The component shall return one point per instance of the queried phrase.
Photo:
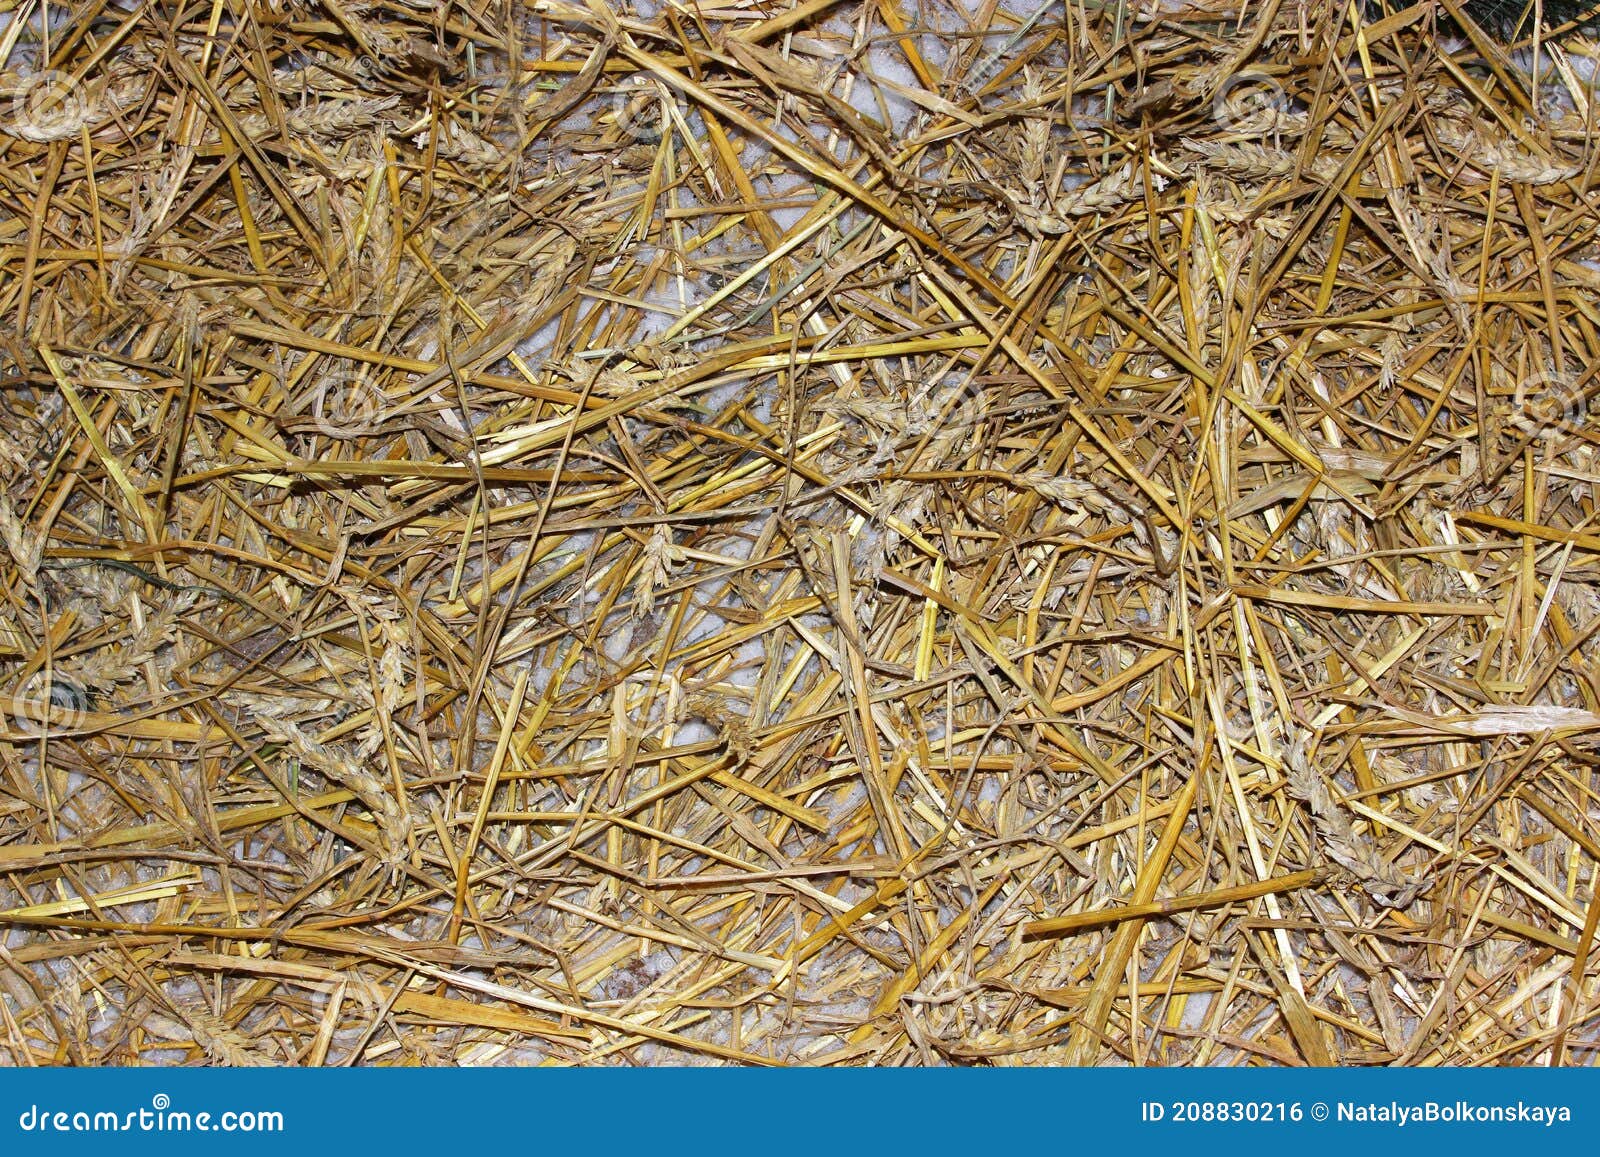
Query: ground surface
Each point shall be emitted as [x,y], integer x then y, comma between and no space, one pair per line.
[894,532]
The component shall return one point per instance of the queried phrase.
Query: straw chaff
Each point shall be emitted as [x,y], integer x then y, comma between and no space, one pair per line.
[877,531]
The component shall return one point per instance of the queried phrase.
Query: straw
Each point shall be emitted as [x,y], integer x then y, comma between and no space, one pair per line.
[844,532]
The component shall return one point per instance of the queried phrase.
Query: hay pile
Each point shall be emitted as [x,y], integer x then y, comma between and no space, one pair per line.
[903,531]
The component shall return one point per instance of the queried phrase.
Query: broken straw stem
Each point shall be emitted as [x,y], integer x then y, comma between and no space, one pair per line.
[1083,921]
